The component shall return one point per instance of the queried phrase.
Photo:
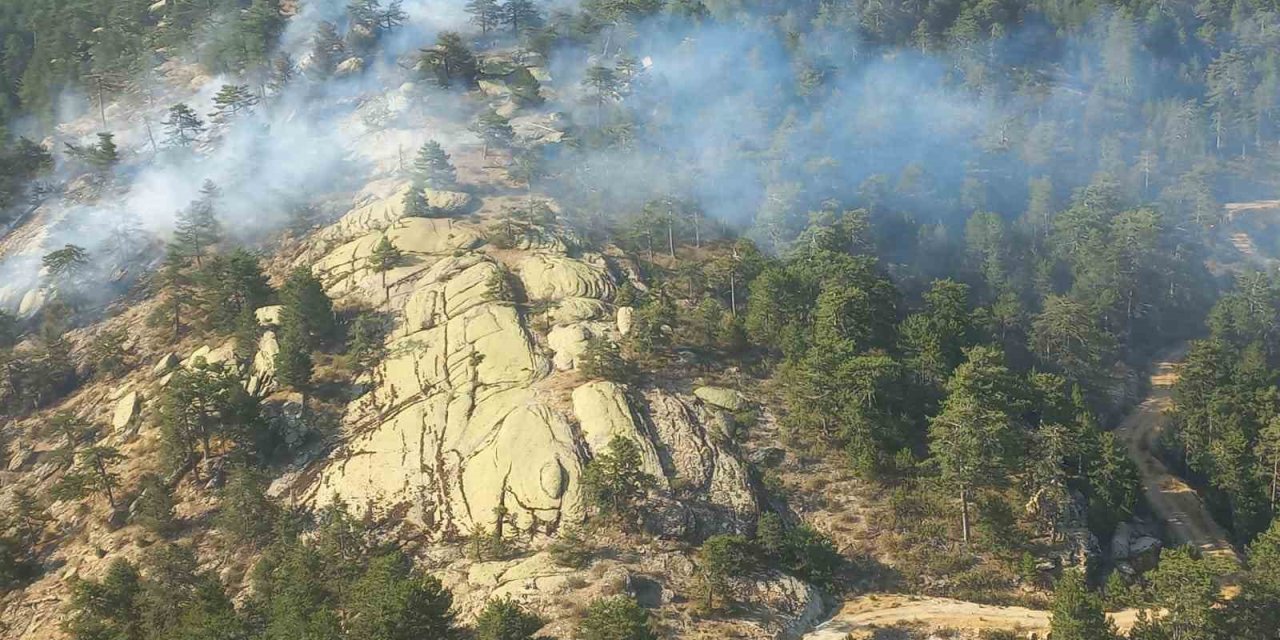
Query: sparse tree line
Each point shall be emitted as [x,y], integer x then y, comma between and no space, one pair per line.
[339,583]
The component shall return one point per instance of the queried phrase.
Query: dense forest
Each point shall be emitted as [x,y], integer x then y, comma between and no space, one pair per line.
[945,240]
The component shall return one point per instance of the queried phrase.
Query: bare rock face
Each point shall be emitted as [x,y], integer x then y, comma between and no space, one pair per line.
[459,423]
[727,399]
[126,412]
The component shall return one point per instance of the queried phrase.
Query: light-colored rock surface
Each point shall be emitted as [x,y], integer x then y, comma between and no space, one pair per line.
[32,302]
[569,342]
[553,277]
[574,310]
[604,412]
[728,399]
[165,364]
[125,412]
[269,316]
[626,317]
[454,424]
[262,374]
[447,202]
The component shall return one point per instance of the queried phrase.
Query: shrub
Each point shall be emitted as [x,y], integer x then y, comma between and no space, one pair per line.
[616,618]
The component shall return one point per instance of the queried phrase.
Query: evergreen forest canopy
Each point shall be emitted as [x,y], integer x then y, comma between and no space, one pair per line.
[952,235]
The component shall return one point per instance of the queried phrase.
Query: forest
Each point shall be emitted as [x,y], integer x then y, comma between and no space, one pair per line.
[943,246]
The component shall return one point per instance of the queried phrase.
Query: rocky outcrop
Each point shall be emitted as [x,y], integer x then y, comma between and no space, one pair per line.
[555,277]
[727,399]
[456,428]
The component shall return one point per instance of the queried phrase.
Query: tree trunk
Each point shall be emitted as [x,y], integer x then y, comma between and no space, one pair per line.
[964,514]
[671,238]
[1275,475]
[733,294]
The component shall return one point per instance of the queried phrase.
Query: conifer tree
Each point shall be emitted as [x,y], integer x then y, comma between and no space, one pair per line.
[615,481]
[616,618]
[432,168]
[494,129]
[486,14]
[175,284]
[182,126]
[293,364]
[519,15]
[505,619]
[327,51]
[307,307]
[197,227]
[232,102]
[153,509]
[450,62]
[1076,614]
[384,258]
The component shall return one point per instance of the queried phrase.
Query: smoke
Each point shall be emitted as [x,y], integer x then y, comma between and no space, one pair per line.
[741,117]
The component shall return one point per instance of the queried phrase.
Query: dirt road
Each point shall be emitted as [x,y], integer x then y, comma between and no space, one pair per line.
[886,610]
[1175,504]
[1178,506]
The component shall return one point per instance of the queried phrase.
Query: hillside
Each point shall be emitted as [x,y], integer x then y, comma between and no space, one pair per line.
[623,320]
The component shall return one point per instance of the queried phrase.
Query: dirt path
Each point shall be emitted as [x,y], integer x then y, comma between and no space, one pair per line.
[887,610]
[1176,505]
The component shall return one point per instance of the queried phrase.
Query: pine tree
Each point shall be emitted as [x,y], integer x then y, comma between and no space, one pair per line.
[367,346]
[1076,614]
[246,514]
[520,15]
[293,364]
[232,102]
[197,227]
[183,126]
[27,516]
[392,601]
[65,266]
[722,558]
[972,438]
[153,509]
[174,283]
[327,51]
[615,482]
[432,168]
[283,71]
[494,129]
[392,16]
[93,472]
[307,307]
[616,618]
[505,619]
[450,61]
[385,257]
[486,14]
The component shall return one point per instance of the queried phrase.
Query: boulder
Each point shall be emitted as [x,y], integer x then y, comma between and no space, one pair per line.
[1144,553]
[626,317]
[554,277]
[269,316]
[165,364]
[20,455]
[574,310]
[448,202]
[728,399]
[32,302]
[349,67]
[569,342]
[494,88]
[126,412]
[262,374]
